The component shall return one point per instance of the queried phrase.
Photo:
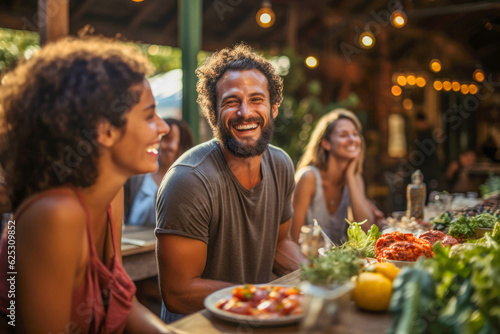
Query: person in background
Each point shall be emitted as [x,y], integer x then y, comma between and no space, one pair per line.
[329,178]
[140,190]
[78,119]
[224,208]
[457,173]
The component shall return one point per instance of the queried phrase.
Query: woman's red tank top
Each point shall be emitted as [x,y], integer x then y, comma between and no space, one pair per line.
[101,304]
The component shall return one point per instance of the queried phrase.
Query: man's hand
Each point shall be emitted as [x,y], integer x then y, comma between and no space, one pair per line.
[288,255]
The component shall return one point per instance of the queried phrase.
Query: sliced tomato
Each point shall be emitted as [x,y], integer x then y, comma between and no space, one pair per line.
[237,306]
[244,292]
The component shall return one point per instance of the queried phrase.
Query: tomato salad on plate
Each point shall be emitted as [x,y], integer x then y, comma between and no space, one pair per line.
[264,301]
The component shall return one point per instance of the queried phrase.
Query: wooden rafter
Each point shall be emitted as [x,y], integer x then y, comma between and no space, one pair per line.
[145,11]
[81,9]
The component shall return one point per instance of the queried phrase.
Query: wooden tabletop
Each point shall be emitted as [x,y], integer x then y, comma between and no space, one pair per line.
[353,320]
[138,252]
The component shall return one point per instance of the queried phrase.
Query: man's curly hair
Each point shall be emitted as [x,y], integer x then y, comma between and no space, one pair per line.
[51,104]
[239,58]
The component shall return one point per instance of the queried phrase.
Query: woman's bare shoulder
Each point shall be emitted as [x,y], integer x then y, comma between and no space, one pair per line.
[55,212]
[305,175]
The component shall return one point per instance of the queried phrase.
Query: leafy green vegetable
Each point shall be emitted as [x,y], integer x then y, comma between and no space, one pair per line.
[444,219]
[363,243]
[412,296]
[462,226]
[496,232]
[335,267]
[491,187]
[485,220]
[466,290]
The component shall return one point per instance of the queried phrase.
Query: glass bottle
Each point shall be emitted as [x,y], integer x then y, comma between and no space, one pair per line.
[415,196]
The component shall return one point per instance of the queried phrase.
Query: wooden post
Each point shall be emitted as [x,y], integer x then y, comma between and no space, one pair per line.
[53,20]
[292,24]
[190,14]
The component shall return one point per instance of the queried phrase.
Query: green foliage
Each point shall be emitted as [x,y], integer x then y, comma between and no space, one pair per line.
[337,266]
[462,227]
[462,295]
[491,187]
[15,45]
[485,220]
[363,243]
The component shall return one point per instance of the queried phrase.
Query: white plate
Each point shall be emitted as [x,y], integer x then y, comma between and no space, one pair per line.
[216,296]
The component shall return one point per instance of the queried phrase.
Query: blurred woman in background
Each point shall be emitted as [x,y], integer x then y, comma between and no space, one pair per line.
[329,179]
[77,120]
[140,190]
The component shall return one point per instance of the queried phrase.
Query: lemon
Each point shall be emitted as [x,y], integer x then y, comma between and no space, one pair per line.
[372,291]
[387,269]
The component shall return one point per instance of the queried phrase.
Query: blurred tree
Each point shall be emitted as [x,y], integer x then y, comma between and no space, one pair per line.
[16,44]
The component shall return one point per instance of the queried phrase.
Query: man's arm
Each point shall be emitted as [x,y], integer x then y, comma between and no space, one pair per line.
[288,255]
[181,262]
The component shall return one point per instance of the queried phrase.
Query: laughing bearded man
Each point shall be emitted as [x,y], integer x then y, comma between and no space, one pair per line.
[224,208]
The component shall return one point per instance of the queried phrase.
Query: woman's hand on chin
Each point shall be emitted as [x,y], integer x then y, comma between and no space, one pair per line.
[351,168]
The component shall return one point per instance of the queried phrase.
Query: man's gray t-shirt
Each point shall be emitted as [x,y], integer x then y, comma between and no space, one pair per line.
[200,198]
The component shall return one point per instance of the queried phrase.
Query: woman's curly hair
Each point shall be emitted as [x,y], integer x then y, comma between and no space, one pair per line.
[50,107]
[239,58]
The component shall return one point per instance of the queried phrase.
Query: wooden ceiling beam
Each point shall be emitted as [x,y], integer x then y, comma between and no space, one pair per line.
[171,20]
[81,10]
[142,14]
[240,29]
[453,9]
[111,29]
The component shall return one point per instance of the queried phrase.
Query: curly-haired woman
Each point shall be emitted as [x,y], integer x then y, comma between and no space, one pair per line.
[329,179]
[78,119]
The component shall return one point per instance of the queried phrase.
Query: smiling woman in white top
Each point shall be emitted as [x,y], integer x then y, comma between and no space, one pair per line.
[329,179]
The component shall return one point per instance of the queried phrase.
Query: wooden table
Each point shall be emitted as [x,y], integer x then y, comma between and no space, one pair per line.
[138,253]
[354,321]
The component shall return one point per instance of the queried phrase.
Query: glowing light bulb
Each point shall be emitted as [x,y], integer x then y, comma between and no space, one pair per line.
[396,90]
[464,89]
[398,19]
[455,85]
[401,80]
[447,85]
[311,62]
[265,17]
[478,75]
[421,82]
[435,65]
[438,85]
[411,79]
[473,89]
[366,40]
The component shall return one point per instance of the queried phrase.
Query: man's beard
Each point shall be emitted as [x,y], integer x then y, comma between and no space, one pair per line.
[244,149]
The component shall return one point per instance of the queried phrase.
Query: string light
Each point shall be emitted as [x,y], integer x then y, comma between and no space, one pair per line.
[401,80]
[478,75]
[265,16]
[455,85]
[473,89]
[396,90]
[407,104]
[438,85]
[366,40]
[447,85]
[398,19]
[464,89]
[421,82]
[411,80]
[435,65]
[311,62]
